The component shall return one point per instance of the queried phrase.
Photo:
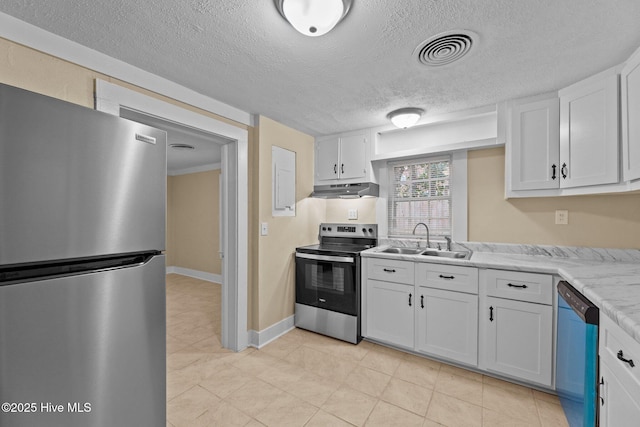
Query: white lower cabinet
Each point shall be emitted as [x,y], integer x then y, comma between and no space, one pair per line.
[517,338]
[516,325]
[439,319]
[389,313]
[498,321]
[619,405]
[447,324]
[619,376]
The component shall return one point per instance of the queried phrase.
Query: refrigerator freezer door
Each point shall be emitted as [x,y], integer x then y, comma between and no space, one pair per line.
[75,182]
[87,350]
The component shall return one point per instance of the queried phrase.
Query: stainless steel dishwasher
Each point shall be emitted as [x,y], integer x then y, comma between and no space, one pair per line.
[577,356]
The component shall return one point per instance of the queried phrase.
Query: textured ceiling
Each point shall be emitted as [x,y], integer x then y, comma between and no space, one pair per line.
[243,53]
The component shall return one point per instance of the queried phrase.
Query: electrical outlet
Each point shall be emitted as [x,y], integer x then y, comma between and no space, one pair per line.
[562,217]
[264,229]
[352,214]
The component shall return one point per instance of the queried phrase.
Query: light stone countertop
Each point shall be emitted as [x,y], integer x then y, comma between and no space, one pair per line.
[610,278]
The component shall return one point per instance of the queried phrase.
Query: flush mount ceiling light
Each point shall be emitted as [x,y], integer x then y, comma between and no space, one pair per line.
[182,147]
[313,17]
[405,117]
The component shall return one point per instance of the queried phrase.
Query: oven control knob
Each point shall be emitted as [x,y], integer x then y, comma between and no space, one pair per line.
[371,230]
[364,230]
[324,228]
[329,228]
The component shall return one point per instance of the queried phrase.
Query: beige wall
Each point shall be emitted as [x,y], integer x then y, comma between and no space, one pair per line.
[606,221]
[274,288]
[29,69]
[32,70]
[337,210]
[193,221]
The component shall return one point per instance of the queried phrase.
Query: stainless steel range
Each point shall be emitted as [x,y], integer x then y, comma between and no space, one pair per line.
[328,280]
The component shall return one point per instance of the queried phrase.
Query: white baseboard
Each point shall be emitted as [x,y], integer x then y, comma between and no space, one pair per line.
[202,275]
[261,338]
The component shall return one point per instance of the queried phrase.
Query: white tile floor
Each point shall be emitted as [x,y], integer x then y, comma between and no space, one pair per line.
[306,379]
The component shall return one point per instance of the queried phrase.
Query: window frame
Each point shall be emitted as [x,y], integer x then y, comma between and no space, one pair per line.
[458,185]
[413,201]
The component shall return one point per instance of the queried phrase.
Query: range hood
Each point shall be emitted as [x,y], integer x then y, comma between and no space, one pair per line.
[346,191]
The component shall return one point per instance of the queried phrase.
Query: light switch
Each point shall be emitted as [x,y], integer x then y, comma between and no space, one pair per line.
[562,217]
[264,229]
[352,214]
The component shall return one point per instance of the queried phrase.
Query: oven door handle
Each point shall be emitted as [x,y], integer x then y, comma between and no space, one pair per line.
[329,258]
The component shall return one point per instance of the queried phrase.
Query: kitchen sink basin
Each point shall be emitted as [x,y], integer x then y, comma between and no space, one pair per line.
[447,254]
[404,251]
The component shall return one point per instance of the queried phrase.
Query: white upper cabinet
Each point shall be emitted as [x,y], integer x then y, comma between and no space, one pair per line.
[589,139]
[327,158]
[342,158]
[353,150]
[534,143]
[566,144]
[630,81]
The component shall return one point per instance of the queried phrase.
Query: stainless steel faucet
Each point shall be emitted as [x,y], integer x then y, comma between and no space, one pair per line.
[448,239]
[425,226]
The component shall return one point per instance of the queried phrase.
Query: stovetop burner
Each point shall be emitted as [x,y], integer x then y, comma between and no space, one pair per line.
[343,239]
[333,249]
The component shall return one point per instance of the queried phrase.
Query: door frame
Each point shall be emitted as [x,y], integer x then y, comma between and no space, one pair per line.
[110,98]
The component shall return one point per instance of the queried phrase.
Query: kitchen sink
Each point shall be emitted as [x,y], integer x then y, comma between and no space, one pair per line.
[403,251]
[447,254]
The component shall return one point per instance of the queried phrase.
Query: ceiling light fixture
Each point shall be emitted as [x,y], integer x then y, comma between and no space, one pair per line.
[405,117]
[313,17]
[182,147]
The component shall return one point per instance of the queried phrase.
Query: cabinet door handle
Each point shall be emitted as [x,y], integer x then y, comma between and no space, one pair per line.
[409,300]
[342,168]
[601,385]
[491,314]
[389,270]
[447,277]
[511,285]
[553,173]
[421,301]
[335,168]
[629,361]
[564,171]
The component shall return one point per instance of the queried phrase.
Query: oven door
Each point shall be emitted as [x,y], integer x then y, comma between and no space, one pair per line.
[328,281]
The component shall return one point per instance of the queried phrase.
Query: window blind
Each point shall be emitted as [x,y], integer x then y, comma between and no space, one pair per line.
[420,191]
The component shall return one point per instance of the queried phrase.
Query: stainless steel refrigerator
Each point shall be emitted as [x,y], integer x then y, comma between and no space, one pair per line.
[82,273]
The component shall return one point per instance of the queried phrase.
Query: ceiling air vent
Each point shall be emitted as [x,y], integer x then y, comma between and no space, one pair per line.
[182,147]
[445,48]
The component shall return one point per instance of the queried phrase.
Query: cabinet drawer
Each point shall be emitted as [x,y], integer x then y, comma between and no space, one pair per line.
[391,270]
[613,340]
[516,285]
[448,277]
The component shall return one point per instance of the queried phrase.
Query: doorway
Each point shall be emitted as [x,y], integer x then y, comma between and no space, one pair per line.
[233,143]
[194,162]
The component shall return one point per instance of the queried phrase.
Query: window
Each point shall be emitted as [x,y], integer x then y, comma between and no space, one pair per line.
[420,191]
